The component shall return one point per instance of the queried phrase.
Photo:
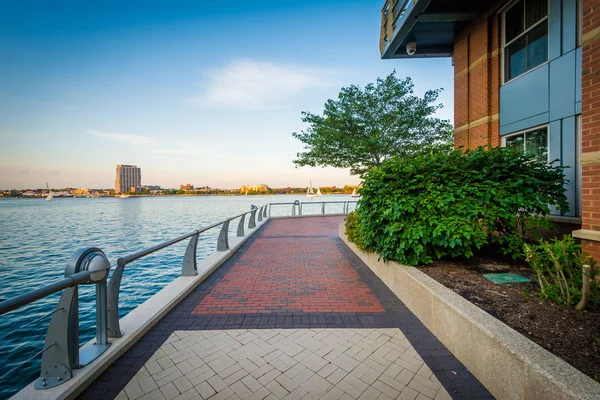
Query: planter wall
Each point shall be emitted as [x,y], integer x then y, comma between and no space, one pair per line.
[508,364]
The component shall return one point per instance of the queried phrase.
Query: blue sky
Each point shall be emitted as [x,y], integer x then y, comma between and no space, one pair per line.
[205,92]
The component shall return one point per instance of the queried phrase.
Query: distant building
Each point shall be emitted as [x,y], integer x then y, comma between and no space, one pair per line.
[151,187]
[254,188]
[128,177]
[189,186]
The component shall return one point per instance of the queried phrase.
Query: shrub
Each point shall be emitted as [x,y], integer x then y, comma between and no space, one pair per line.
[450,204]
[559,268]
[353,230]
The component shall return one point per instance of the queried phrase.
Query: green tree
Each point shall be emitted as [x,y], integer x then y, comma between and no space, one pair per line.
[366,126]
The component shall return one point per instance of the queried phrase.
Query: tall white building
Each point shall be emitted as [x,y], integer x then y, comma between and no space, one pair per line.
[128,176]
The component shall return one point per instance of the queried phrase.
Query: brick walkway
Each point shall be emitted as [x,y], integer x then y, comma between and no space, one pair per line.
[293,314]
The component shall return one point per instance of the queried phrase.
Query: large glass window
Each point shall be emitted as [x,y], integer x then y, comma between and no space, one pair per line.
[525,37]
[533,142]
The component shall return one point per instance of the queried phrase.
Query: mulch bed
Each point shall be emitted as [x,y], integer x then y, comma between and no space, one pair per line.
[572,335]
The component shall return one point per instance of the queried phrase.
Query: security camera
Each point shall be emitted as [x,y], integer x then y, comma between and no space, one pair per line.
[411,48]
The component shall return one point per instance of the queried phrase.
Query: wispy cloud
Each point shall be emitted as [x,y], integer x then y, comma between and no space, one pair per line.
[124,138]
[257,85]
[184,152]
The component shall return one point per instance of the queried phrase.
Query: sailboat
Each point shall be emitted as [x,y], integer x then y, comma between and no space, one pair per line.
[49,197]
[309,192]
[354,194]
[319,192]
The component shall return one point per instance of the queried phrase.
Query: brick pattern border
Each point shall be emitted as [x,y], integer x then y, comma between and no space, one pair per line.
[451,373]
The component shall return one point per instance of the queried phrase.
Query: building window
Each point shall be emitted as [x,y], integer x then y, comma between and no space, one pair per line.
[525,37]
[533,142]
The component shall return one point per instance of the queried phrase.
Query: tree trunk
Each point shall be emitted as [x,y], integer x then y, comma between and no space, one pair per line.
[585,291]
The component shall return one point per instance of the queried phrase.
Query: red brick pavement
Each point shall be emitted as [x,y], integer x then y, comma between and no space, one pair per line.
[315,226]
[303,274]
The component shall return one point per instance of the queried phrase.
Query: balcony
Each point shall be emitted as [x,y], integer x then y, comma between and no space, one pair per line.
[432,24]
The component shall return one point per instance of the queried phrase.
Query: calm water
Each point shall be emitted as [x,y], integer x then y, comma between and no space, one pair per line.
[38,237]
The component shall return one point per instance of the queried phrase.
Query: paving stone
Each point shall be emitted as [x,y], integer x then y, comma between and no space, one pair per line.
[241,390]
[408,394]
[279,391]
[287,383]
[206,390]
[182,384]
[134,391]
[370,393]
[327,370]
[337,376]
[169,391]
[147,385]
[269,376]
[251,383]
[153,395]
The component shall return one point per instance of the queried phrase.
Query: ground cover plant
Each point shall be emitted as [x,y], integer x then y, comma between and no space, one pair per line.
[441,204]
[559,268]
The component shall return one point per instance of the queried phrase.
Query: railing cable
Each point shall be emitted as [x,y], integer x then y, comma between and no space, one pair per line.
[29,323]
[10,371]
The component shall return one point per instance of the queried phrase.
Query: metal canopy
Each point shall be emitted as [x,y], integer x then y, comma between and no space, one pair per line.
[432,24]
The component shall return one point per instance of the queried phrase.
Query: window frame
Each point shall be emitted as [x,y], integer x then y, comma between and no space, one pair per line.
[504,44]
[524,133]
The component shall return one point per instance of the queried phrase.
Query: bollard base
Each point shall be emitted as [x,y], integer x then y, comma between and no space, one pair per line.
[90,353]
[56,375]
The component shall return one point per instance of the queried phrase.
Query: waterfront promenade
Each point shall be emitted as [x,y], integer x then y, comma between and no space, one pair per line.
[292,314]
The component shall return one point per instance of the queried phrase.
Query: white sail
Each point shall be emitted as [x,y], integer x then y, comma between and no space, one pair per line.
[49,197]
[354,193]
[319,192]
[309,192]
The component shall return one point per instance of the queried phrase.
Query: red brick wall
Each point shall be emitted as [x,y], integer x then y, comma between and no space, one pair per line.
[590,134]
[477,84]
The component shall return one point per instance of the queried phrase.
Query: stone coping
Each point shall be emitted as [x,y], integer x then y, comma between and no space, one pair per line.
[508,364]
[139,321]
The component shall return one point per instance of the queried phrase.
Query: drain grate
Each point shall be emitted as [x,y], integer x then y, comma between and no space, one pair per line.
[500,279]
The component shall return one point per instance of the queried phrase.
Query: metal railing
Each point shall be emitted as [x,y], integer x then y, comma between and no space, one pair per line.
[297,205]
[61,353]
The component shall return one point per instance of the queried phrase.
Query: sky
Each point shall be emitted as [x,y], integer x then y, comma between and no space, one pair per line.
[201,92]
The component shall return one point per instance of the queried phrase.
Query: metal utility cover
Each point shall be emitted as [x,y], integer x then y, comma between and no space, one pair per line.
[500,279]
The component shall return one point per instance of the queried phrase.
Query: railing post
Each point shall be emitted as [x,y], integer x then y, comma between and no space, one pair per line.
[240,230]
[294,209]
[299,208]
[101,313]
[252,223]
[59,358]
[189,266]
[265,212]
[61,346]
[260,212]
[323,208]
[114,287]
[223,241]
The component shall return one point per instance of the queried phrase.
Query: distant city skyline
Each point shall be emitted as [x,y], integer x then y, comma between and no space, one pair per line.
[205,92]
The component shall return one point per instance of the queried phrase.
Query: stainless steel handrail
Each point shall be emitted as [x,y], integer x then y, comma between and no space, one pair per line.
[299,204]
[38,294]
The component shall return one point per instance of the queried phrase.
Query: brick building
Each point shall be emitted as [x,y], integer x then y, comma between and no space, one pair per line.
[526,75]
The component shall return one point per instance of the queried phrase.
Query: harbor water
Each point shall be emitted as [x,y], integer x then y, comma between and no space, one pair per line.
[37,237]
